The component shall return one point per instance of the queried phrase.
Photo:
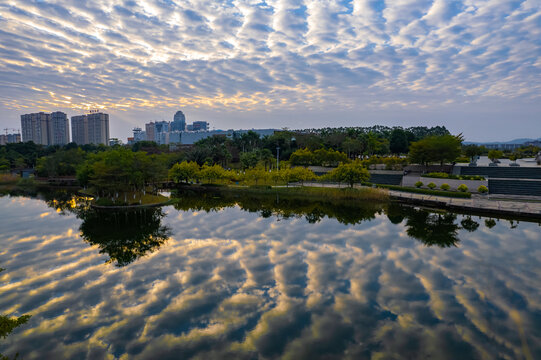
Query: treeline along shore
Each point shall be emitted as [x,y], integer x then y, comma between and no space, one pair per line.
[134,175]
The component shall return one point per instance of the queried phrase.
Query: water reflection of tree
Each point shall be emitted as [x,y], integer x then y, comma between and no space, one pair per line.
[283,207]
[395,212]
[432,228]
[490,223]
[469,224]
[8,324]
[124,235]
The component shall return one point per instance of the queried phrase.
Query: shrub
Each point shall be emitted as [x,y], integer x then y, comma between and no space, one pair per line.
[440,175]
[431,186]
[462,188]
[418,184]
[445,186]
[482,189]
[465,195]
[26,182]
[437,175]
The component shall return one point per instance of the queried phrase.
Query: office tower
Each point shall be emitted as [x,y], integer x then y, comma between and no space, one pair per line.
[200,126]
[58,129]
[179,122]
[139,135]
[92,128]
[149,130]
[155,129]
[35,127]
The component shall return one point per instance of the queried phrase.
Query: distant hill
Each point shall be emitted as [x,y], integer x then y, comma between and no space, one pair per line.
[515,141]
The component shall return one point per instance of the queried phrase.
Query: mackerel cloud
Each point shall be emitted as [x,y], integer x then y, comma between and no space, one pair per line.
[265,54]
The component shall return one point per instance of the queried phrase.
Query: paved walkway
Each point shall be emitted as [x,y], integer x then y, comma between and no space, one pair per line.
[508,206]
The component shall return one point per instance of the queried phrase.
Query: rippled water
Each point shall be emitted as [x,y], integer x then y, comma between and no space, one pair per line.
[266,278]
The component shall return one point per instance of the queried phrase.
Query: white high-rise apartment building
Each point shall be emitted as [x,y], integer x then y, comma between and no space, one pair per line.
[45,129]
[91,128]
[59,129]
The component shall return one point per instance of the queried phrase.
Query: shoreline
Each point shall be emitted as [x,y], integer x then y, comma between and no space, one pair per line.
[518,208]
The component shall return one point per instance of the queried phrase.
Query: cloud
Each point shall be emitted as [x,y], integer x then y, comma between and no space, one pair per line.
[251,56]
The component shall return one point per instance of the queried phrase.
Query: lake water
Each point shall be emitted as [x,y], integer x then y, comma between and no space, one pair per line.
[261,278]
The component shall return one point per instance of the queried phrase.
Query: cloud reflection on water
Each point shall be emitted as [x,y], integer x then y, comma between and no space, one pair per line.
[231,283]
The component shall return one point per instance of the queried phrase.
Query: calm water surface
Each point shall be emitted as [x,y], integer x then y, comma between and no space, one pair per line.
[220,277]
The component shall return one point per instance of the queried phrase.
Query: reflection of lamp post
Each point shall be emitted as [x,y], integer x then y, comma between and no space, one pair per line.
[277,157]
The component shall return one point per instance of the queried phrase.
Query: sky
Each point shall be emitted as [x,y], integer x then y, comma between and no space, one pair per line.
[473,66]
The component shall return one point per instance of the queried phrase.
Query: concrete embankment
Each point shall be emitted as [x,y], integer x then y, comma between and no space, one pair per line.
[483,205]
[516,207]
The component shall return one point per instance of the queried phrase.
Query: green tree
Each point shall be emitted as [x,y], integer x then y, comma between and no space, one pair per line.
[60,163]
[514,156]
[349,173]
[471,151]
[266,156]
[495,155]
[185,171]
[398,142]
[249,159]
[445,148]
[330,157]
[354,147]
[302,157]
[214,172]
[255,174]
[301,174]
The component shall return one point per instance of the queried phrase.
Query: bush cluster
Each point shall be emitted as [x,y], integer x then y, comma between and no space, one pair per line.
[482,189]
[442,175]
[350,173]
[462,188]
[465,195]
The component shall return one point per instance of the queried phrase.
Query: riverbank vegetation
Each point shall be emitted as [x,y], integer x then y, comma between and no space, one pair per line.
[460,194]
[341,155]
[442,175]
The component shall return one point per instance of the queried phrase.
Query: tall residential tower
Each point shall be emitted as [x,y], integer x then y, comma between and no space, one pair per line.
[59,129]
[91,128]
[45,129]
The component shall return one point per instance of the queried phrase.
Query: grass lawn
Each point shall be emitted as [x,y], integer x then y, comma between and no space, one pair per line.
[324,193]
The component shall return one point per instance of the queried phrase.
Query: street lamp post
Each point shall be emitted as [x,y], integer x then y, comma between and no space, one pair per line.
[278,158]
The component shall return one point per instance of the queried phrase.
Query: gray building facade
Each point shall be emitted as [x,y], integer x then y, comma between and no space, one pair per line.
[45,129]
[91,128]
[35,127]
[59,129]
[179,122]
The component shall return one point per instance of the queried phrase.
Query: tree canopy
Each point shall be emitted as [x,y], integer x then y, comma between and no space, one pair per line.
[445,148]
[349,173]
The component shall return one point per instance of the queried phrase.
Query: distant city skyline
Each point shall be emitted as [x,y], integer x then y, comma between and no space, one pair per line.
[121,124]
[473,67]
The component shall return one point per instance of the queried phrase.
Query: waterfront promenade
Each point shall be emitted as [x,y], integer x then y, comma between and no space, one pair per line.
[488,204]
